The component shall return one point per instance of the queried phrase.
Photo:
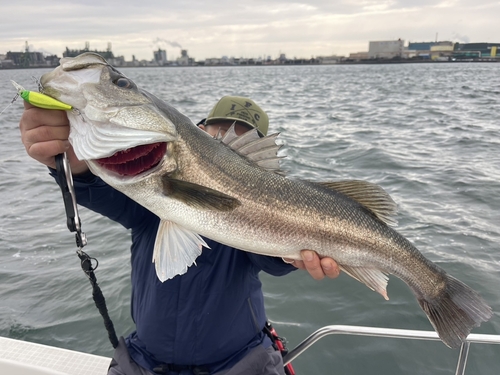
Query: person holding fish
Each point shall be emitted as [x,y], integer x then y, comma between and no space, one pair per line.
[210,319]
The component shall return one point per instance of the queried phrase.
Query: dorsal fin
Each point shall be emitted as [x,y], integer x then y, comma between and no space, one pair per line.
[271,164]
[245,138]
[371,196]
[229,136]
[259,144]
[262,151]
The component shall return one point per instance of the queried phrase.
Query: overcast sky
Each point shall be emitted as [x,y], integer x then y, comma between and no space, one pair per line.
[252,28]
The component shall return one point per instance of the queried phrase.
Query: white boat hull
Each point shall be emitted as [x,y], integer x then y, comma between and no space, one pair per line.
[26,358]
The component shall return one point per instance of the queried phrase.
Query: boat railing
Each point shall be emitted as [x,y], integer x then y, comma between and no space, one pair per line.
[390,333]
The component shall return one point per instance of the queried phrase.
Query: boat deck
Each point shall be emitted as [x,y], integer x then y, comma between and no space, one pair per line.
[26,358]
[23,358]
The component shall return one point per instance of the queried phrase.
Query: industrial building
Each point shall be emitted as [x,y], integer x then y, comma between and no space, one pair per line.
[160,57]
[480,50]
[386,49]
[435,51]
[108,54]
[28,59]
[389,51]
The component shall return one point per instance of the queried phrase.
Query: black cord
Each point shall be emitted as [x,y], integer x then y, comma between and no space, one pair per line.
[100,302]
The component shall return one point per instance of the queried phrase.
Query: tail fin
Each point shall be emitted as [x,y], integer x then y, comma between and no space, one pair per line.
[455,312]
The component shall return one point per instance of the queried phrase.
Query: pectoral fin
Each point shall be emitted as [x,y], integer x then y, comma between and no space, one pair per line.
[198,196]
[374,279]
[175,250]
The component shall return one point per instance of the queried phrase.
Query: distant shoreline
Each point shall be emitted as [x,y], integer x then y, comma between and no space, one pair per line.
[361,62]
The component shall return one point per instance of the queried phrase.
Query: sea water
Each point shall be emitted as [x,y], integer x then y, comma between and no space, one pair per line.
[429,134]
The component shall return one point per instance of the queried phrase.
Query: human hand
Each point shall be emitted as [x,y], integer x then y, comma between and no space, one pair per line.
[317,268]
[44,134]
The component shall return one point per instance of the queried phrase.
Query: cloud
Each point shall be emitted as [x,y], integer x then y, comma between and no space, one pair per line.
[460,38]
[242,29]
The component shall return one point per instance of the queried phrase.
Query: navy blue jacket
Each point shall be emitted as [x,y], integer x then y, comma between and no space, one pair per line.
[212,315]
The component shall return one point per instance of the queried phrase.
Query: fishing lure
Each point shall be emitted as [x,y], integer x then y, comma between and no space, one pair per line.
[40,100]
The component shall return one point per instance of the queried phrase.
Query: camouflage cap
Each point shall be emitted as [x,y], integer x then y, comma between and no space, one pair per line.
[239,109]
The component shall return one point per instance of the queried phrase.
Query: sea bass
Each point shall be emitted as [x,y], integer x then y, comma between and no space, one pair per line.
[230,189]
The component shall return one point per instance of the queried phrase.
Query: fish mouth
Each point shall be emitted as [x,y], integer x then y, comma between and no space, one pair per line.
[135,160]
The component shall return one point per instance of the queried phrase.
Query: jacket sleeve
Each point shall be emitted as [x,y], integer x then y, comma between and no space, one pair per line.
[272,265]
[94,194]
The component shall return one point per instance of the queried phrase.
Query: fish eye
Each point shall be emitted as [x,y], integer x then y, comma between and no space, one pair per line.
[123,82]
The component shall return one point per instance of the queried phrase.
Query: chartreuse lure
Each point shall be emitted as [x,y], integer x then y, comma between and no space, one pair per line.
[40,100]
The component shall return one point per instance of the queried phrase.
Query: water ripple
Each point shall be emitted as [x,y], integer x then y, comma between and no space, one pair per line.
[428,134]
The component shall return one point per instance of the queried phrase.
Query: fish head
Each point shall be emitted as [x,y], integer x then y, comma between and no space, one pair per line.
[114,126]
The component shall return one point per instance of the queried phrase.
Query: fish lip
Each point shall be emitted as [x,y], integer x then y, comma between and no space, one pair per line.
[135,162]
